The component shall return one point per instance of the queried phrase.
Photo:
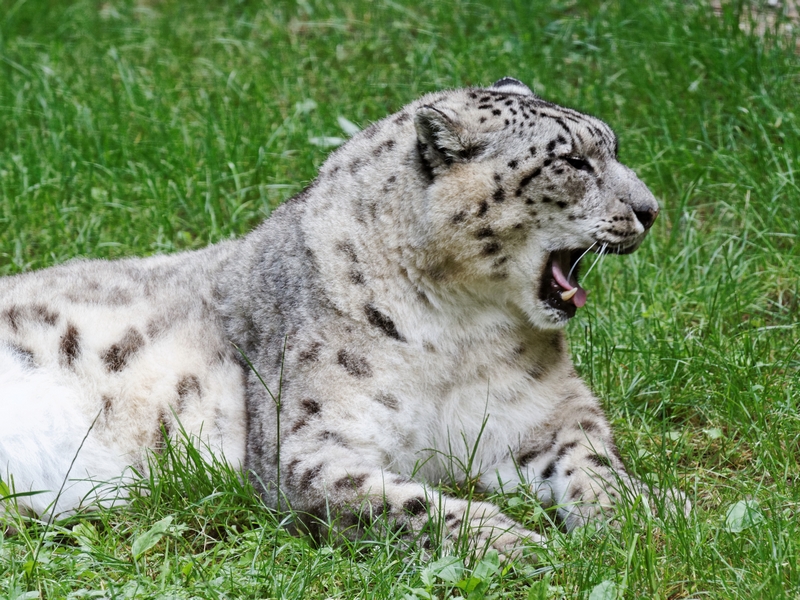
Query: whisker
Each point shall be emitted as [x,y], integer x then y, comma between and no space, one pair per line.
[600,255]
[585,252]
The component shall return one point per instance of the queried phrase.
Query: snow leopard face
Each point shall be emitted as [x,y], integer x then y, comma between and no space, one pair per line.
[521,190]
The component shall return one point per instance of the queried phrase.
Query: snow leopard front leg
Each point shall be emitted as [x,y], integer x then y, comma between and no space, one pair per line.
[341,488]
[572,464]
[333,476]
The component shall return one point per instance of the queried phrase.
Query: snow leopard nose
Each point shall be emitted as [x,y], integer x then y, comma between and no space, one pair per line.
[646,215]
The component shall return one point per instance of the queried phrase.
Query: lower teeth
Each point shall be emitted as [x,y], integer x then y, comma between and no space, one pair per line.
[569,294]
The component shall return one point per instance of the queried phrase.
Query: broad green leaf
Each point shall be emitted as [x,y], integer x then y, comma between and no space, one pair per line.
[606,590]
[741,515]
[488,566]
[85,534]
[150,538]
[448,568]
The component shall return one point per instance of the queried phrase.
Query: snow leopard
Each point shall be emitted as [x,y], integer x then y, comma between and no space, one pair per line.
[397,324]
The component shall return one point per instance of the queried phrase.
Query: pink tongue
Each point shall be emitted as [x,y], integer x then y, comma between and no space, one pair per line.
[560,263]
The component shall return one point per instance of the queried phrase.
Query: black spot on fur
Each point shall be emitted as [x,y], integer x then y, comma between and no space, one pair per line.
[547,162]
[500,261]
[370,131]
[108,405]
[357,366]
[496,112]
[309,476]
[355,165]
[388,400]
[291,468]
[12,316]
[402,117]
[576,492]
[350,481]
[588,426]
[551,145]
[549,470]
[311,353]
[40,314]
[482,208]
[70,344]
[491,248]
[546,199]
[415,506]
[527,179]
[562,451]
[599,461]
[484,232]
[357,277]
[348,250]
[499,195]
[458,217]
[25,354]
[118,355]
[512,164]
[385,146]
[310,406]
[299,424]
[537,451]
[377,319]
[188,385]
[532,150]
[561,204]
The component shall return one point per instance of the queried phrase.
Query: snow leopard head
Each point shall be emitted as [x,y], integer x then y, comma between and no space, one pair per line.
[518,191]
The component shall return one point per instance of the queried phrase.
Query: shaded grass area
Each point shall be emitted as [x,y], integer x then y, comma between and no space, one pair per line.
[130,129]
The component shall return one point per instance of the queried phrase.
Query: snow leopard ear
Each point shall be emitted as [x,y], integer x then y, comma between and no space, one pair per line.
[443,139]
[512,86]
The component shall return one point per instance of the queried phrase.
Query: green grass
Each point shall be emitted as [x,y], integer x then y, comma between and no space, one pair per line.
[130,129]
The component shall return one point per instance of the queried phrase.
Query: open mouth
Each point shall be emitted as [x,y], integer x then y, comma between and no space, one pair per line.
[560,288]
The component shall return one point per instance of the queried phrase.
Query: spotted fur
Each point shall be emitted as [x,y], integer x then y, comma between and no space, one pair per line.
[402,306]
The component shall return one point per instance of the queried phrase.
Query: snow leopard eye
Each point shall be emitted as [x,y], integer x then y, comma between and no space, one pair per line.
[581,164]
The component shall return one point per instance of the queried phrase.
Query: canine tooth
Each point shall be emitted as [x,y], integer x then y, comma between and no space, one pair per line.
[569,294]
